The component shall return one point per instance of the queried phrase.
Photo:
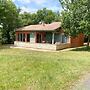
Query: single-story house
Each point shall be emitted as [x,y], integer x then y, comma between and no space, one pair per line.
[45,36]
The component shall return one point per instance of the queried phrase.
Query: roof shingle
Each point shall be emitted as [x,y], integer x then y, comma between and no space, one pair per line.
[41,27]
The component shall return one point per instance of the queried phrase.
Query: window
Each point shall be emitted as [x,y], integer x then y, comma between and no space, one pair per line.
[28,37]
[23,37]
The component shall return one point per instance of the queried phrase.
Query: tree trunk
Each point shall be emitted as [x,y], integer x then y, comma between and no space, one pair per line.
[88,41]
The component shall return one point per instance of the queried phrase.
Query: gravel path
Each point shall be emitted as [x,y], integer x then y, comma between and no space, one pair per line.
[83,84]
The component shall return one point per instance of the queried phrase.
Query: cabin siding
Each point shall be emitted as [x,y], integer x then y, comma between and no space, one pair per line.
[77,41]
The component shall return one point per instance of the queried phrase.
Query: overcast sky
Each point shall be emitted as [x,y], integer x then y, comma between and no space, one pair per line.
[34,5]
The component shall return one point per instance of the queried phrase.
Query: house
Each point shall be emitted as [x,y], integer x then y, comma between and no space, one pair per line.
[45,36]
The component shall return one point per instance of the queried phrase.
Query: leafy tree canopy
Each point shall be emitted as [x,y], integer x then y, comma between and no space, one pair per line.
[9,20]
[76,17]
[44,15]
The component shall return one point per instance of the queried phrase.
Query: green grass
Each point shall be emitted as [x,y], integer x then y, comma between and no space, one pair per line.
[33,70]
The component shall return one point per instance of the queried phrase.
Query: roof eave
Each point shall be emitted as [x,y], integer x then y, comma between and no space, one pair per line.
[34,30]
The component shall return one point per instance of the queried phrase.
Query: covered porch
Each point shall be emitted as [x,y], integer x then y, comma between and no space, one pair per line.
[42,37]
[42,40]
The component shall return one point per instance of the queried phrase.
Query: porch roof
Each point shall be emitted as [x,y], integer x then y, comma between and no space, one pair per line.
[41,27]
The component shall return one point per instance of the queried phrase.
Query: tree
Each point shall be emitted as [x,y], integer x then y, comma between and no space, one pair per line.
[9,19]
[57,16]
[34,18]
[25,18]
[50,16]
[85,23]
[75,17]
[45,15]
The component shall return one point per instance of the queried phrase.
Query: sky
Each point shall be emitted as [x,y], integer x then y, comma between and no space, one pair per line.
[34,5]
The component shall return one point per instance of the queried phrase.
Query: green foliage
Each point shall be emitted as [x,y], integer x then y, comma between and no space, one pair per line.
[71,17]
[45,15]
[76,17]
[25,18]
[9,19]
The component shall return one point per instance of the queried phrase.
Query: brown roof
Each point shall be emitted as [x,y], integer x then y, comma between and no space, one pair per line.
[41,27]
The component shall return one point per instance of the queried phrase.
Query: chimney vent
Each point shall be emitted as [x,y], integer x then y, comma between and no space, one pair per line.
[42,23]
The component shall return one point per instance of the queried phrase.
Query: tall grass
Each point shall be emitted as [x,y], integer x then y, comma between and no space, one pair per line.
[33,70]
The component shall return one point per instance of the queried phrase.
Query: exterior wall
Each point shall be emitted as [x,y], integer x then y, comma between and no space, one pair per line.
[42,46]
[77,41]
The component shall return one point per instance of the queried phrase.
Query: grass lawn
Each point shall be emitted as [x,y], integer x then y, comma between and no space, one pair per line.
[34,70]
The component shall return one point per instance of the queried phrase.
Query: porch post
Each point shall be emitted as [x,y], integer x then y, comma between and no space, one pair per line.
[69,39]
[16,36]
[53,37]
[35,37]
[25,37]
[61,38]
[19,36]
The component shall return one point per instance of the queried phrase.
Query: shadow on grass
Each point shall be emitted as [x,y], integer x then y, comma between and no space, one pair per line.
[84,48]
[5,46]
